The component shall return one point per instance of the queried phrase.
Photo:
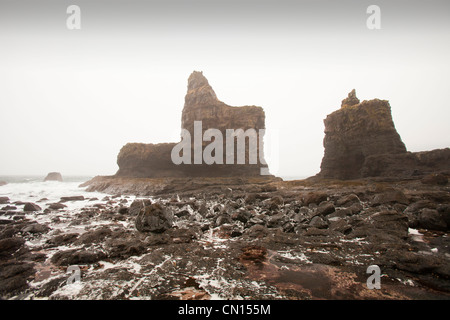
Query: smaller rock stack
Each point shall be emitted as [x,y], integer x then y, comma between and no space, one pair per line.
[361,141]
[54,176]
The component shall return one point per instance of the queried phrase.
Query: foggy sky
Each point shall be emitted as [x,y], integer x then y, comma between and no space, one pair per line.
[70,99]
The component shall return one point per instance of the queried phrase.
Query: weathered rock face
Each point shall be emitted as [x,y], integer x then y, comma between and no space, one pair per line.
[355,132]
[361,141]
[147,161]
[201,104]
[410,164]
[54,176]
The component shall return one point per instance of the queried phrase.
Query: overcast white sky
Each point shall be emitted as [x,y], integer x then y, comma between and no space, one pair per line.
[70,99]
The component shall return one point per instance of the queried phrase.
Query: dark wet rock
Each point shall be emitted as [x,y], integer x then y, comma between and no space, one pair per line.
[154,218]
[325,208]
[54,176]
[341,213]
[8,208]
[257,231]
[435,179]
[274,203]
[314,197]
[182,213]
[416,206]
[384,226]
[341,226]
[72,198]
[94,236]
[51,286]
[56,206]
[4,200]
[329,259]
[347,200]
[124,248]
[318,222]
[36,228]
[122,210]
[137,205]
[431,219]
[222,219]
[242,215]
[276,220]
[13,277]
[390,196]
[62,239]
[31,207]
[77,256]
[444,210]
[356,208]
[10,245]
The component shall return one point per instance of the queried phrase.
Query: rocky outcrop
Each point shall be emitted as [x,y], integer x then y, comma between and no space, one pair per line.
[201,104]
[54,176]
[361,141]
[409,165]
[3,183]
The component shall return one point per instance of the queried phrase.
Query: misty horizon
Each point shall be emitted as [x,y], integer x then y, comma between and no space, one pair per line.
[72,98]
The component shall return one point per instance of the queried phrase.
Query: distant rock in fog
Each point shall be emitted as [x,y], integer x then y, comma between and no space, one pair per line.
[54,176]
[3,183]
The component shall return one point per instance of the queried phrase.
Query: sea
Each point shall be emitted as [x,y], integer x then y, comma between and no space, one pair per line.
[35,189]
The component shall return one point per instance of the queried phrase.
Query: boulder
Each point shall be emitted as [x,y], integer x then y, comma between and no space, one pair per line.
[154,218]
[10,245]
[437,179]
[56,206]
[315,197]
[72,198]
[31,207]
[77,256]
[390,196]
[431,219]
[54,176]
[325,208]
[3,183]
[4,200]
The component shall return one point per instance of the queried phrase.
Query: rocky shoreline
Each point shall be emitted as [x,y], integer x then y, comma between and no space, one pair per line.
[308,239]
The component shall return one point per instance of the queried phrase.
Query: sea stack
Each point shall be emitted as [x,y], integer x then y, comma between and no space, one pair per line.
[354,132]
[361,141]
[54,176]
[201,105]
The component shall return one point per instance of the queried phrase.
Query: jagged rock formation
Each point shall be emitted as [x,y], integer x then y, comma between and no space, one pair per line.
[201,104]
[54,176]
[361,141]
